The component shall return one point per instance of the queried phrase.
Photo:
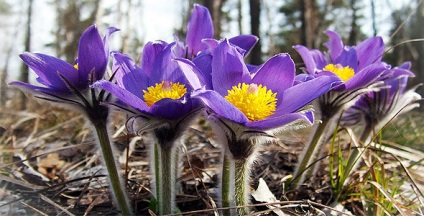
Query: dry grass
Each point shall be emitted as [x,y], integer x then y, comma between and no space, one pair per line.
[50,166]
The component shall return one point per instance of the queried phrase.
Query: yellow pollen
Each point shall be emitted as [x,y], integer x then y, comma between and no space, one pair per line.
[345,73]
[255,101]
[163,90]
[76,66]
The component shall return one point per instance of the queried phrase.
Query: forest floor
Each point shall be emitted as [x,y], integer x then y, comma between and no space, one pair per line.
[50,165]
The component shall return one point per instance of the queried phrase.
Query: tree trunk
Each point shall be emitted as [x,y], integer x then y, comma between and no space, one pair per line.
[72,26]
[417,32]
[240,16]
[353,34]
[255,12]
[215,8]
[374,27]
[309,21]
[24,76]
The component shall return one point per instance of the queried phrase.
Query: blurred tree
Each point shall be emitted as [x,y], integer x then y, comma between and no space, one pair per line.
[255,21]
[417,32]
[309,18]
[215,8]
[5,11]
[73,17]
[374,26]
[353,34]
[24,75]
[407,25]
[304,22]
[240,16]
[127,12]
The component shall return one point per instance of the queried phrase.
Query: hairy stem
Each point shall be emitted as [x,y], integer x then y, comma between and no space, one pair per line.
[166,180]
[312,152]
[226,183]
[241,185]
[156,168]
[115,178]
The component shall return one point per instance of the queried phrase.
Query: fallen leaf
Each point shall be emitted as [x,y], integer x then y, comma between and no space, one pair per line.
[263,194]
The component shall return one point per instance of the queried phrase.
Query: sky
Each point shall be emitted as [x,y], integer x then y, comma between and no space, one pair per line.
[157,20]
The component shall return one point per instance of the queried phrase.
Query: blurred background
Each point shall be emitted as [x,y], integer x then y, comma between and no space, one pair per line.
[54,26]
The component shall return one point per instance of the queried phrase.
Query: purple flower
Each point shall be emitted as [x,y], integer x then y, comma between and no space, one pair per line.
[356,67]
[262,99]
[61,79]
[378,108]
[155,90]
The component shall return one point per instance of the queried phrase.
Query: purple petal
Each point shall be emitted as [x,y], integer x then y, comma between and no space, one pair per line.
[335,45]
[165,69]
[91,55]
[220,106]
[370,51]
[302,78]
[348,57]
[199,26]
[307,58]
[109,31]
[211,43]
[179,49]
[319,58]
[150,51]
[365,76]
[246,42]
[204,64]
[122,94]
[171,109]
[405,66]
[192,73]
[38,90]
[277,74]
[129,75]
[301,94]
[48,67]
[280,121]
[228,68]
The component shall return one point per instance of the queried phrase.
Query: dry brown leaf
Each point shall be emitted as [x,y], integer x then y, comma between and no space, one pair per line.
[50,165]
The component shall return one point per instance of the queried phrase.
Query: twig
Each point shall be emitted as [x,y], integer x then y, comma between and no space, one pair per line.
[35,209]
[51,202]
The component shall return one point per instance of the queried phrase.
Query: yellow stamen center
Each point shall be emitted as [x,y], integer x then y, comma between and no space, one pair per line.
[256,102]
[163,90]
[345,73]
[76,66]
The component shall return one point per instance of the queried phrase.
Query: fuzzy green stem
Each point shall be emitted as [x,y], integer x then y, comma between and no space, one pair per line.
[156,167]
[166,180]
[226,182]
[109,160]
[312,152]
[241,185]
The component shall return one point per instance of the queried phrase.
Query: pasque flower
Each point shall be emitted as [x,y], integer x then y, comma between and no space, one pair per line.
[158,96]
[377,109]
[68,84]
[263,98]
[247,106]
[358,68]
[155,90]
[61,79]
